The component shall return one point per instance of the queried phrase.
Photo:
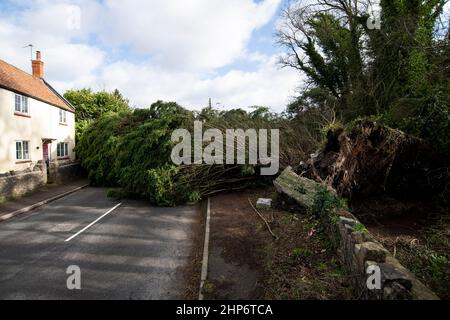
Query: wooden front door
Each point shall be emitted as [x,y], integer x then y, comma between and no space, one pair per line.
[46,153]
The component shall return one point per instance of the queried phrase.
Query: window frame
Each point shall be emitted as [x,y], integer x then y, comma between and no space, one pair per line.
[21,105]
[22,153]
[62,116]
[62,150]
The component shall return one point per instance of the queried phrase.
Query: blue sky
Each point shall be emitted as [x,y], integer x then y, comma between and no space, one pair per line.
[184,51]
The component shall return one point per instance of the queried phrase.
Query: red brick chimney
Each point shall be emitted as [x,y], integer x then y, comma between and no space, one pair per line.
[38,66]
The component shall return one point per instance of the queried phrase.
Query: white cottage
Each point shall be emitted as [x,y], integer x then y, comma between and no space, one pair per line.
[36,122]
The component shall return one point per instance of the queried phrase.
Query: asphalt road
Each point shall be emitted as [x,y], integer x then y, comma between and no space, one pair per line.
[134,252]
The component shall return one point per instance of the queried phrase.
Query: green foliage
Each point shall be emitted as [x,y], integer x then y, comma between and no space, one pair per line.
[131,150]
[326,203]
[426,113]
[118,193]
[294,142]
[286,219]
[161,186]
[92,105]
[431,266]
[439,266]
[80,127]
[298,253]
[247,170]
[194,197]
[360,228]
[398,73]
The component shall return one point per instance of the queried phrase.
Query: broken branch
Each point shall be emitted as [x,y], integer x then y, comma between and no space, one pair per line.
[263,219]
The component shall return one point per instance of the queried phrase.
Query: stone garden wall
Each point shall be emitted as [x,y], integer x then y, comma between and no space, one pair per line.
[64,171]
[357,248]
[16,183]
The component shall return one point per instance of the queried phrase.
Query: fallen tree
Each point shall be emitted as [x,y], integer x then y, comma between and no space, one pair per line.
[131,152]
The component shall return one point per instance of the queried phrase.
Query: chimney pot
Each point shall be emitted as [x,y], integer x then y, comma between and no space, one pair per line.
[38,66]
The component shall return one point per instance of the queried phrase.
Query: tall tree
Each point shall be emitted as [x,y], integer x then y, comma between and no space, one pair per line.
[91,105]
[363,71]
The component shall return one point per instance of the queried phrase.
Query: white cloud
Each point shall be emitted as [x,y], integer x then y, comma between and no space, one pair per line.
[173,49]
[11,46]
[64,61]
[50,19]
[267,86]
[185,34]
[69,62]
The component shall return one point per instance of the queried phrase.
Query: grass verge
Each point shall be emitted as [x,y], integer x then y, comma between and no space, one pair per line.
[302,264]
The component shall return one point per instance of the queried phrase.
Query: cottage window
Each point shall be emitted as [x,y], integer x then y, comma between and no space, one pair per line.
[62,116]
[22,150]
[21,105]
[62,150]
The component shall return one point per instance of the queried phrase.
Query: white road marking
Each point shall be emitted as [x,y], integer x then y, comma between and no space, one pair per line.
[205,262]
[91,224]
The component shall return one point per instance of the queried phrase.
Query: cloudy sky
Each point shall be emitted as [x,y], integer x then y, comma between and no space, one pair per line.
[174,50]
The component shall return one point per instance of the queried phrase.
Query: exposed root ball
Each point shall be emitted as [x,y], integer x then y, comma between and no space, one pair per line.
[374,160]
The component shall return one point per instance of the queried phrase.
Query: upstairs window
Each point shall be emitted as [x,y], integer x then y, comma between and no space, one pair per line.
[21,105]
[22,150]
[62,150]
[62,116]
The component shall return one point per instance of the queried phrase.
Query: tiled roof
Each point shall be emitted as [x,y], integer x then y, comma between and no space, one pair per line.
[16,80]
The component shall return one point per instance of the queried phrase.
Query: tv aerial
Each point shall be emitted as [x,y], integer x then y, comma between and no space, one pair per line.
[31,50]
